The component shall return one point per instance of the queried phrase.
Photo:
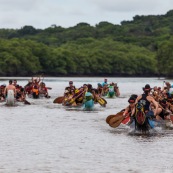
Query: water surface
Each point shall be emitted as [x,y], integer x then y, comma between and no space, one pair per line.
[47,138]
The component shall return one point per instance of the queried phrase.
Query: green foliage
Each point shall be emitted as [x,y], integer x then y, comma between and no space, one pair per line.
[141,47]
[165,57]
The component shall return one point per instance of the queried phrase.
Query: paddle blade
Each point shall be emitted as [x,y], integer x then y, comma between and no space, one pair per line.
[111,116]
[49,88]
[59,100]
[26,102]
[101,101]
[116,121]
[104,100]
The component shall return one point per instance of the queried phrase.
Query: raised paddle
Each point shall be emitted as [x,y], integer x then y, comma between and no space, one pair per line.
[59,100]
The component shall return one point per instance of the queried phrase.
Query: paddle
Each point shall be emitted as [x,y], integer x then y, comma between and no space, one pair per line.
[111,116]
[118,119]
[26,102]
[71,101]
[49,88]
[101,101]
[126,120]
[59,100]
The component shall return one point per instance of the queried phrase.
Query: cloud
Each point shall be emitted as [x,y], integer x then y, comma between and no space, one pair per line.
[19,5]
[130,5]
[44,13]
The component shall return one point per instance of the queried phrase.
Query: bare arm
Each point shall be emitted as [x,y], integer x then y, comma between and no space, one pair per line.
[126,111]
[138,98]
[39,79]
[15,91]
[151,99]
[117,91]
[5,91]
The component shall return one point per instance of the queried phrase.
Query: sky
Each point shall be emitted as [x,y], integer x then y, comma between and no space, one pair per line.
[42,14]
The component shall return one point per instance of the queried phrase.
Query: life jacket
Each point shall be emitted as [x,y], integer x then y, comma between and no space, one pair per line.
[88,96]
[144,102]
[140,113]
[35,90]
[111,89]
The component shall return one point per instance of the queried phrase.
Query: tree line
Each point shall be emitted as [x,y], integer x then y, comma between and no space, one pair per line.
[141,47]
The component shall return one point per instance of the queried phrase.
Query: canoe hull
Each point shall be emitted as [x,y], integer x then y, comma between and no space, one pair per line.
[10,100]
[111,94]
[89,104]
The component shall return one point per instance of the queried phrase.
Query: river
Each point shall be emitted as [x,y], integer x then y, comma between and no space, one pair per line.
[47,138]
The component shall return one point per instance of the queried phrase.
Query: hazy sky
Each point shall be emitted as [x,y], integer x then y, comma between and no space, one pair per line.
[66,13]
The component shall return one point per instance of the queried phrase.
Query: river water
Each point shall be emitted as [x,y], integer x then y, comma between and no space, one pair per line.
[47,138]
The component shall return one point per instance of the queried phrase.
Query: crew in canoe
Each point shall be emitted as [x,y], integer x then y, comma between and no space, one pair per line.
[2,95]
[43,91]
[10,93]
[10,87]
[85,95]
[113,90]
[20,93]
[71,86]
[145,110]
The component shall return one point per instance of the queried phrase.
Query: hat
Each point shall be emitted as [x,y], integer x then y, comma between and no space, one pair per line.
[70,82]
[131,100]
[147,87]
[134,96]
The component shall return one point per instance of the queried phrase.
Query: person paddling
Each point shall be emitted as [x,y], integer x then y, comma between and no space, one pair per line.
[43,90]
[146,99]
[105,82]
[2,96]
[10,87]
[71,87]
[36,81]
[128,109]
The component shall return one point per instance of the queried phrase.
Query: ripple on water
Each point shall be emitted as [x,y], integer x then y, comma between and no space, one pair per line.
[46,137]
